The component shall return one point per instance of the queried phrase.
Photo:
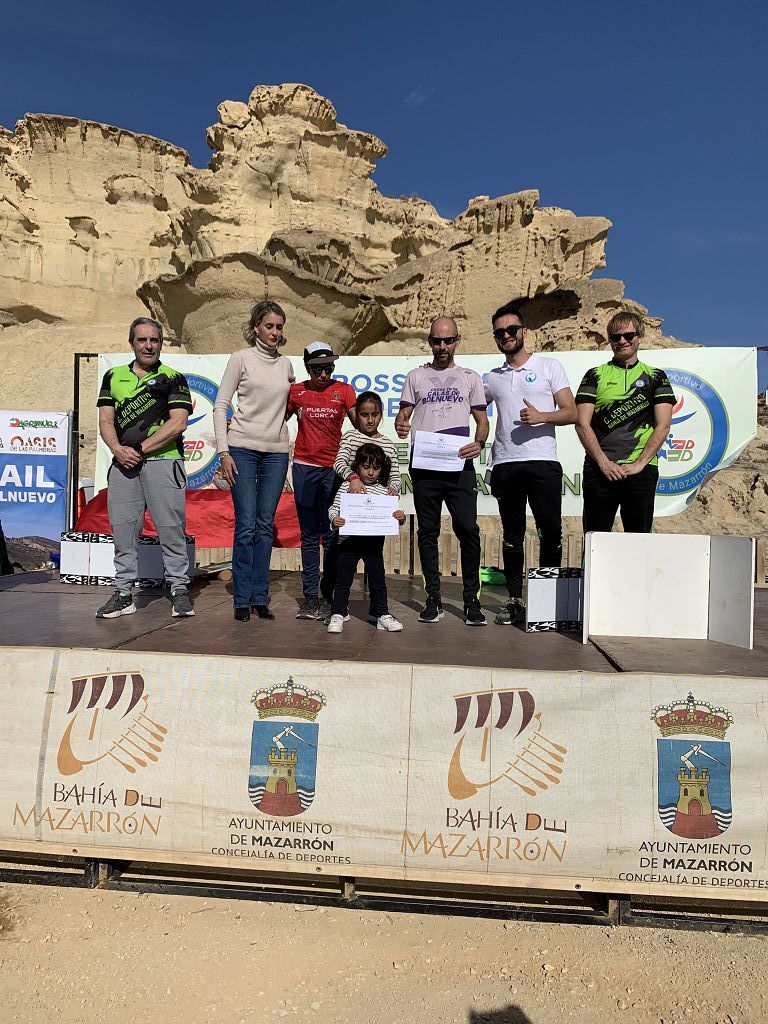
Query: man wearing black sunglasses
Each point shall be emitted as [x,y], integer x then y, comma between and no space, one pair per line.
[532,396]
[624,415]
[444,398]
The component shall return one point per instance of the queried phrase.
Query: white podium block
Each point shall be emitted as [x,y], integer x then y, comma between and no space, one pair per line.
[669,586]
[89,559]
[554,599]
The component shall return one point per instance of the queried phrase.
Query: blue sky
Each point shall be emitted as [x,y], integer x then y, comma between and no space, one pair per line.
[651,114]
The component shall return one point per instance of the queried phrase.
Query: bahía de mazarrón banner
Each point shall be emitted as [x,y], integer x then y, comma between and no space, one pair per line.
[714,419]
[34,452]
[570,781]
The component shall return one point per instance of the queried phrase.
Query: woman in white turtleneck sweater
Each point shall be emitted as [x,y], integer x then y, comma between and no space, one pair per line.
[254,451]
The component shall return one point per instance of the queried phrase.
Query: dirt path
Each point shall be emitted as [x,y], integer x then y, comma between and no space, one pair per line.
[72,956]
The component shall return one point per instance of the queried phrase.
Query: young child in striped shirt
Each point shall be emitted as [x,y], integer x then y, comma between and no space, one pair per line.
[372,466]
[369,412]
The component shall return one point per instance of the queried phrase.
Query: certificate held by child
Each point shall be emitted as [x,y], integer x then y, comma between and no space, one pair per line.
[368,515]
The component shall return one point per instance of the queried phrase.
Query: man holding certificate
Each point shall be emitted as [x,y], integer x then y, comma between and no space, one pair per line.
[436,407]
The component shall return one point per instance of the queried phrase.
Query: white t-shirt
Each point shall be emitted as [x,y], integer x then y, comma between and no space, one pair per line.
[506,386]
[443,400]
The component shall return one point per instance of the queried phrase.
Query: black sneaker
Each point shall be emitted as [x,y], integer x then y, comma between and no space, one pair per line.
[433,610]
[310,609]
[182,606]
[511,613]
[118,604]
[473,614]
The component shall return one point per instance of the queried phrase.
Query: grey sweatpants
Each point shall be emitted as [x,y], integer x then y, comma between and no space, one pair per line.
[160,486]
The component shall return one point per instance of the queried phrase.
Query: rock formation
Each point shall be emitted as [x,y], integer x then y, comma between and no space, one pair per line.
[99,225]
[91,214]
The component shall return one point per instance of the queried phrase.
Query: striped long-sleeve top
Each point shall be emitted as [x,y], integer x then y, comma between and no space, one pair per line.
[351,441]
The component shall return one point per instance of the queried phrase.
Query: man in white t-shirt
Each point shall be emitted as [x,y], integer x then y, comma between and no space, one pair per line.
[443,398]
[532,397]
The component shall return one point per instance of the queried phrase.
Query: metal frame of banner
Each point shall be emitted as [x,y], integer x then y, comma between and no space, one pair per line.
[612,910]
[75,438]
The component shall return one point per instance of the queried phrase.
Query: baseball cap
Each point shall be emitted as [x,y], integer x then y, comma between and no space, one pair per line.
[318,353]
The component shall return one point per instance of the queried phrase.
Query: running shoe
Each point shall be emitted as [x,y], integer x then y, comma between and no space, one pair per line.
[182,606]
[310,609]
[118,604]
[511,613]
[389,624]
[473,614]
[432,611]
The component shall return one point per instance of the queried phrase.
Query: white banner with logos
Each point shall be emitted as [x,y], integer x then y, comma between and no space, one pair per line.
[34,457]
[714,419]
[573,781]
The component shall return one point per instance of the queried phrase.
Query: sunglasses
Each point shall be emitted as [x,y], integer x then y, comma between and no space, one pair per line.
[626,335]
[501,332]
[317,371]
[443,341]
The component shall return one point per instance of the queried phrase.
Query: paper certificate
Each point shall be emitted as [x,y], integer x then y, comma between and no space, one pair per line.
[438,451]
[368,515]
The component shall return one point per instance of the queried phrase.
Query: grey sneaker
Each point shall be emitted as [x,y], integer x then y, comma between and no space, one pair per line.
[118,604]
[182,606]
[511,613]
[310,609]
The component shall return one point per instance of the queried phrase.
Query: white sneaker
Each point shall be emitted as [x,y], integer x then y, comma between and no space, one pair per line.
[336,623]
[389,624]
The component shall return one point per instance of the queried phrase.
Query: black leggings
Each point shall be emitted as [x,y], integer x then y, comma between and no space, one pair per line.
[538,483]
[351,550]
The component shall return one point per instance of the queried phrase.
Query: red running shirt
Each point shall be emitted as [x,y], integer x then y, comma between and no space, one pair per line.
[321,416]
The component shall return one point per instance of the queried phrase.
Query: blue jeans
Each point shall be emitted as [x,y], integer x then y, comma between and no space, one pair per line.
[255,495]
[314,488]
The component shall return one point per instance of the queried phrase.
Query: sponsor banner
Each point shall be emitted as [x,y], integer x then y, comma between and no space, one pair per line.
[34,456]
[573,781]
[714,419]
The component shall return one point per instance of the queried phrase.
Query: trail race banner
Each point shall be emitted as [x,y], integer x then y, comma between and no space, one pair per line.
[34,451]
[578,782]
[714,419]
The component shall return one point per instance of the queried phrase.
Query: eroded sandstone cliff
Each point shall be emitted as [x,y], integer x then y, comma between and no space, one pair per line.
[99,224]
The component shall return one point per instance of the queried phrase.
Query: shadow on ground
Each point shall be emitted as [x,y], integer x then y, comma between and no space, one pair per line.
[508,1014]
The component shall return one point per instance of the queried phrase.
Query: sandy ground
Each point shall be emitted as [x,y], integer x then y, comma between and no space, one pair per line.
[74,956]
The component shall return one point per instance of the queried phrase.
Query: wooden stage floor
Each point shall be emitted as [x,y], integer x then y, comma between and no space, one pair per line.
[38,611]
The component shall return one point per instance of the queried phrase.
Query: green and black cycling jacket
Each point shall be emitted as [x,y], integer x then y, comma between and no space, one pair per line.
[143,404]
[624,399]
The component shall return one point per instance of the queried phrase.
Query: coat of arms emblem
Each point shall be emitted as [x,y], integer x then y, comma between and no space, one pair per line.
[694,773]
[283,764]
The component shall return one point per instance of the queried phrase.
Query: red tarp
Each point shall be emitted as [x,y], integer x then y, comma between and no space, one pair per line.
[210,519]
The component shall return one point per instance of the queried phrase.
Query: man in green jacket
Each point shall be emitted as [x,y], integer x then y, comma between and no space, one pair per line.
[624,414]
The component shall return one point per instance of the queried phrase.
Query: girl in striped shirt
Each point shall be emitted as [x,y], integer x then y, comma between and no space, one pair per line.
[369,412]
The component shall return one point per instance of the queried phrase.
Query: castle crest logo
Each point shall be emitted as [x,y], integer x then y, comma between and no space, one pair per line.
[694,773]
[283,765]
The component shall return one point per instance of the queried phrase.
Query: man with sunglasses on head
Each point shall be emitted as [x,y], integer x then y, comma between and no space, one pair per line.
[442,398]
[624,415]
[320,405]
[532,396]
